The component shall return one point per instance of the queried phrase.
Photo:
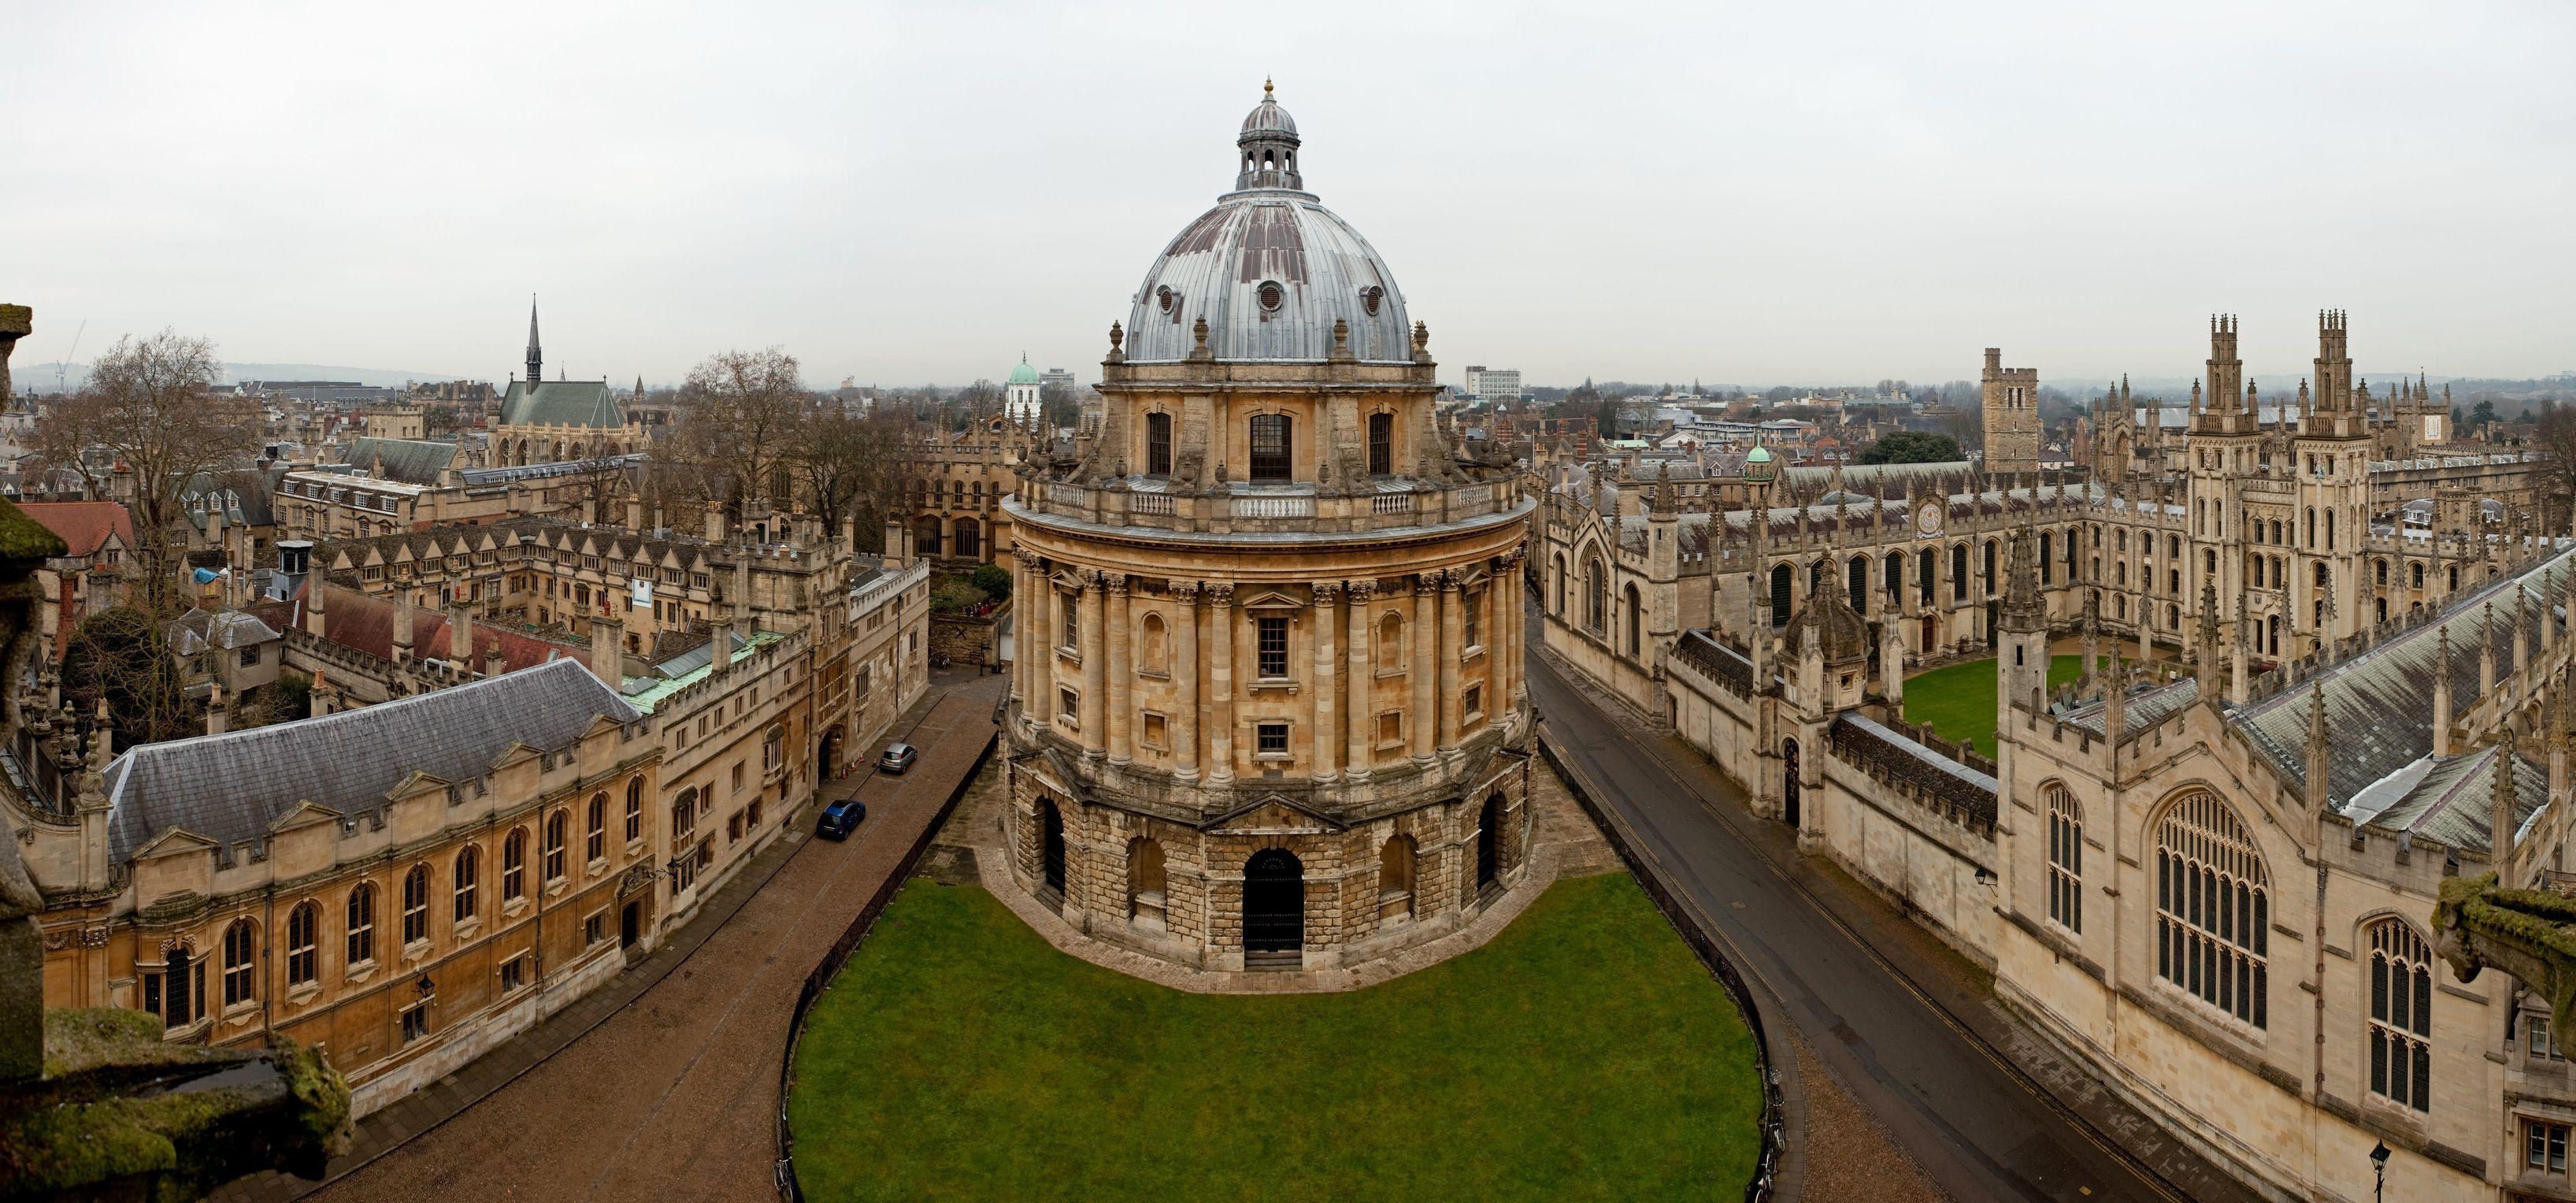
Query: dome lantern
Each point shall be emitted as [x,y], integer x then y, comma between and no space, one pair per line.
[1268,146]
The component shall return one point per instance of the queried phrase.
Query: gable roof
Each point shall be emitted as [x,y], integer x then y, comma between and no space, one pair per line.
[411,461]
[587,403]
[231,787]
[83,526]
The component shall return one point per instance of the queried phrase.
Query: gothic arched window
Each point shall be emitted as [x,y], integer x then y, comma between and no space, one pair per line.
[2401,1015]
[1596,597]
[2065,859]
[2213,908]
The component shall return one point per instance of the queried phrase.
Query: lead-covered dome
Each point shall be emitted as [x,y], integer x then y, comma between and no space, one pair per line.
[1270,269]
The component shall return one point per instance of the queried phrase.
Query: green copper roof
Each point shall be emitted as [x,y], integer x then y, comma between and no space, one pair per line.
[1024,374]
[1759,455]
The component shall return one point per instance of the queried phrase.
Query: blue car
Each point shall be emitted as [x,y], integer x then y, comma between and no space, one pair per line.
[840,819]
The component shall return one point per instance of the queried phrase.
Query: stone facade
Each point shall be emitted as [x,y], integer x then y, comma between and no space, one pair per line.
[2011,416]
[1275,721]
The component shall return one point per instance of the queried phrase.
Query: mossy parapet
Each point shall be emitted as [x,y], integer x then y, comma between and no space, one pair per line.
[123,1114]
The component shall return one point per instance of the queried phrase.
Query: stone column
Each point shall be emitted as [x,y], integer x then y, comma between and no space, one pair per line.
[1361,713]
[1095,664]
[1024,586]
[1510,592]
[1220,684]
[1453,615]
[1121,750]
[1185,679]
[1041,644]
[1321,709]
[1425,628]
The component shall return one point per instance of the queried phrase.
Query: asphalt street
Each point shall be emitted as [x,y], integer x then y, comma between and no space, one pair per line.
[1979,1129]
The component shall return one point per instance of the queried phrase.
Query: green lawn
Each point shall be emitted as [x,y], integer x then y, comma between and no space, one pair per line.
[1584,1051]
[1959,699]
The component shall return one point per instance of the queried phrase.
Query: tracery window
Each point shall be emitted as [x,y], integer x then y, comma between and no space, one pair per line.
[2213,909]
[2401,1015]
[1596,597]
[2065,859]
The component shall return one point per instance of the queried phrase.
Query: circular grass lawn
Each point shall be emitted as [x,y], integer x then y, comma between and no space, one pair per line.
[1582,1051]
[1958,700]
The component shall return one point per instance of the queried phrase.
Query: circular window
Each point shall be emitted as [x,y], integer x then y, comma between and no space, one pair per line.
[1166,297]
[1272,296]
[1371,297]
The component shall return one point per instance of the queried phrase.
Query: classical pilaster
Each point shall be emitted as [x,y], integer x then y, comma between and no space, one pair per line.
[1322,712]
[1037,646]
[1360,714]
[1453,616]
[1121,679]
[1220,597]
[1095,664]
[1425,628]
[1185,679]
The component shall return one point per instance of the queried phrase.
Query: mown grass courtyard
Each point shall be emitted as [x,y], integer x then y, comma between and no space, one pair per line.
[1584,1051]
[1958,700]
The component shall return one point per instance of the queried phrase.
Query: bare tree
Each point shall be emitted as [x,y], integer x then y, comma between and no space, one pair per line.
[742,409]
[145,424]
[849,467]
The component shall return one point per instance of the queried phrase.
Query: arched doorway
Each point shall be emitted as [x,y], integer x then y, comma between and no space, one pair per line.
[1274,910]
[1789,782]
[1051,857]
[828,761]
[1489,839]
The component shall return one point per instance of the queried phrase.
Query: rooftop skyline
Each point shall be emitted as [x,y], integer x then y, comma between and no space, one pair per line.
[916,195]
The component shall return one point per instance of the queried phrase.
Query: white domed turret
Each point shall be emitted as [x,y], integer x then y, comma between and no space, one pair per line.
[1269,269]
[1020,394]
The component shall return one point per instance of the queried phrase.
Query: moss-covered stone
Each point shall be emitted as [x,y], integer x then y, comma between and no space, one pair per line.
[24,538]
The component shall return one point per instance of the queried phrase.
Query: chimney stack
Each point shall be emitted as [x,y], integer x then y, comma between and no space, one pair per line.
[607,657]
[460,638]
[402,628]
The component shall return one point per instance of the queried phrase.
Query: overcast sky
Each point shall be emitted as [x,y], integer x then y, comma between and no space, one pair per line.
[1744,193]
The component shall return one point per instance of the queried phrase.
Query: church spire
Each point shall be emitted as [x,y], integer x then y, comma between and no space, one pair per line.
[536,356]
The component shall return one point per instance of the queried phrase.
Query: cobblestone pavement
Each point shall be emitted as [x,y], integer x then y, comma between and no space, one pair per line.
[675,1095]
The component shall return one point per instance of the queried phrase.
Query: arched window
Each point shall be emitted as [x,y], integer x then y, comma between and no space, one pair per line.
[241,962]
[1158,444]
[415,904]
[2401,1015]
[2065,859]
[634,810]
[1153,651]
[1395,878]
[1596,597]
[1924,566]
[362,923]
[1145,886]
[925,538]
[2046,567]
[1390,638]
[2213,908]
[1958,572]
[684,813]
[554,850]
[2209,562]
[1780,580]
[1636,622]
[968,538]
[1556,594]
[1381,444]
[2417,570]
[1270,444]
[2455,578]
[595,836]
[514,864]
[469,874]
[1894,576]
[303,942]
[1856,583]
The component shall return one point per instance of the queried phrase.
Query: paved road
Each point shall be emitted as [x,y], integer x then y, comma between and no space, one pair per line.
[1977,1130]
[676,1096]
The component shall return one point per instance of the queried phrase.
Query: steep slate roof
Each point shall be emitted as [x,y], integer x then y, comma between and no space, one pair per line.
[2145,706]
[589,403]
[229,788]
[2379,714]
[83,526]
[411,461]
[197,630]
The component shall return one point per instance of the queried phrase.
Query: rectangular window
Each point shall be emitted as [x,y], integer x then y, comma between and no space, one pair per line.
[1270,448]
[1071,604]
[250,656]
[1158,444]
[2542,1043]
[1475,601]
[1381,444]
[1475,701]
[1390,727]
[594,929]
[733,828]
[1270,739]
[1271,645]
[415,1022]
[1154,730]
[2544,1146]
[514,973]
[1068,705]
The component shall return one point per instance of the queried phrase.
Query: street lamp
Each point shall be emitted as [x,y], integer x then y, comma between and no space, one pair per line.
[2378,1169]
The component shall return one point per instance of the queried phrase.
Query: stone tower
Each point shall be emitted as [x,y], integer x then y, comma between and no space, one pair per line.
[2011,416]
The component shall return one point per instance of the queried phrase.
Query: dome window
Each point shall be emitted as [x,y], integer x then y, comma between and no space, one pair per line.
[1169,300]
[1371,297]
[1272,296]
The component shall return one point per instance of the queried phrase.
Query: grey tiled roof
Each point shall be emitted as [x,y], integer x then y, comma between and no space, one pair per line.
[2143,708]
[2379,713]
[196,630]
[411,461]
[229,788]
[589,403]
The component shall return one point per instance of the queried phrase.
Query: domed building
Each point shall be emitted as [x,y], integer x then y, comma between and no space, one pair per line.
[1269,709]
[1020,394]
